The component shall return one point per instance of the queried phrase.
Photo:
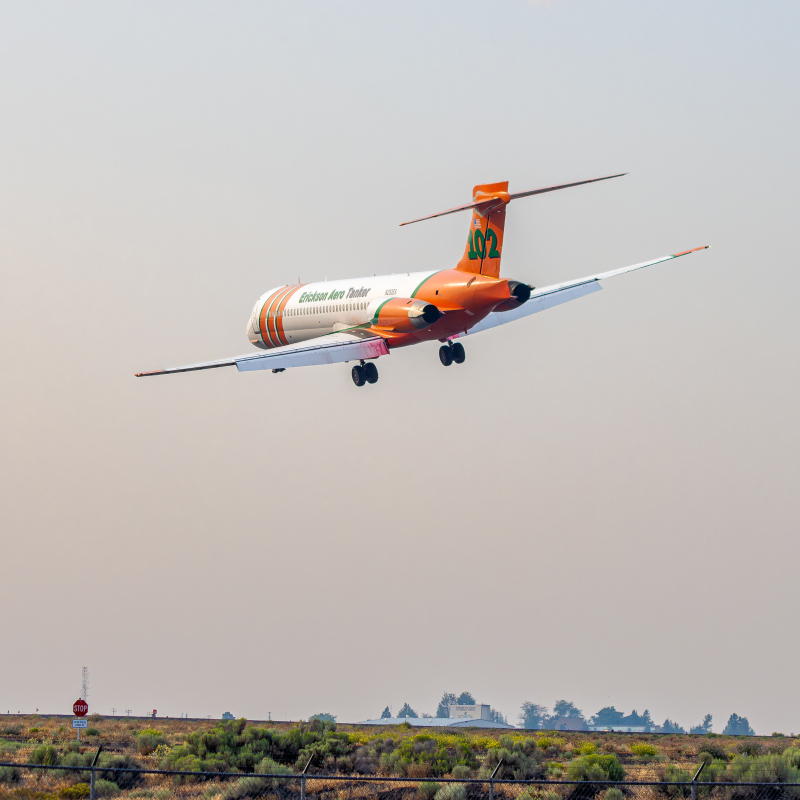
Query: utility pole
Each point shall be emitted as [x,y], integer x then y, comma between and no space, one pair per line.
[85,685]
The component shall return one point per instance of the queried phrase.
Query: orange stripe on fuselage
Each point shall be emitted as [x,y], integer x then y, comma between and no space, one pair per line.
[272,314]
[279,316]
[263,322]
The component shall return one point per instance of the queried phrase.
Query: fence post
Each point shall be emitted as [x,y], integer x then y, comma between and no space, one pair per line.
[91,780]
[302,779]
[491,780]
[694,780]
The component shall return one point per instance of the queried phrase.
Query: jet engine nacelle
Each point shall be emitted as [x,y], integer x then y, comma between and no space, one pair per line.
[402,314]
[520,293]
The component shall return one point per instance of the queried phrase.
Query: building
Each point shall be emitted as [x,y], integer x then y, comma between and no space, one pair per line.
[477,715]
[567,724]
[475,711]
[437,722]
[619,728]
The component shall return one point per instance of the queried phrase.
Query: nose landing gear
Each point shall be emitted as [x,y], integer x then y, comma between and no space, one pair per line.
[364,373]
[448,353]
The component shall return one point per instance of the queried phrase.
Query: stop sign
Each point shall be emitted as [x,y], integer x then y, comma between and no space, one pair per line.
[80,708]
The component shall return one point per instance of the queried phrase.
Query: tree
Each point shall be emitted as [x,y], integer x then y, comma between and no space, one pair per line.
[563,708]
[738,726]
[703,727]
[386,713]
[443,711]
[531,715]
[636,720]
[465,699]
[407,711]
[323,717]
[671,727]
[607,717]
[496,716]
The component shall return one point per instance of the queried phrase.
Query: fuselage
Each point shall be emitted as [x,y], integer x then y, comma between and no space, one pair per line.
[291,314]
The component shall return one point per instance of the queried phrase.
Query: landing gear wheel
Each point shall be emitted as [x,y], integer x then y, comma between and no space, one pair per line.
[446,355]
[458,353]
[371,372]
[357,373]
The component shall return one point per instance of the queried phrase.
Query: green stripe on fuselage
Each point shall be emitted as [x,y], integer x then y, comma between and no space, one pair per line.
[424,280]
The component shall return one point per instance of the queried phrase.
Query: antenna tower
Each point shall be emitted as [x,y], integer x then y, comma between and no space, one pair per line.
[85,685]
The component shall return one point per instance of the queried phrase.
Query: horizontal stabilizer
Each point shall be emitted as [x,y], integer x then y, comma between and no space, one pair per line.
[477,203]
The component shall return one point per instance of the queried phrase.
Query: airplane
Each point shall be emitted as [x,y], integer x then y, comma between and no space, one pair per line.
[359,320]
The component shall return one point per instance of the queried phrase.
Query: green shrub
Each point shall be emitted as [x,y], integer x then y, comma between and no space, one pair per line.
[426,790]
[147,741]
[613,793]
[76,792]
[715,751]
[255,786]
[231,746]
[103,788]
[595,768]
[44,754]
[792,756]
[9,774]
[452,791]
[644,750]
[522,761]
[75,759]
[462,772]
[11,730]
[111,766]
[535,794]
[672,774]
[92,731]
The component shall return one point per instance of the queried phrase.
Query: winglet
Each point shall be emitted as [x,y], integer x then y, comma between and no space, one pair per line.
[693,250]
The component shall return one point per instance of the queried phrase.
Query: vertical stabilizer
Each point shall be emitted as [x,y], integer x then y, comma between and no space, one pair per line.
[485,240]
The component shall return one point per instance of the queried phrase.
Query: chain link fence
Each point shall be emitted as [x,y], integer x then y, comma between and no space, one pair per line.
[39,782]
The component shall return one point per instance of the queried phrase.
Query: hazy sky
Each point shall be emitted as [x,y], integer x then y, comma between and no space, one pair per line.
[601,504]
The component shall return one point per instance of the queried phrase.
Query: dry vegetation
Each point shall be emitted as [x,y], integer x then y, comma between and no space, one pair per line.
[162,743]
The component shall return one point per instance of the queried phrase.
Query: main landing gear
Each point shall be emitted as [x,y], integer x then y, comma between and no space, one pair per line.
[364,373]
[448,353]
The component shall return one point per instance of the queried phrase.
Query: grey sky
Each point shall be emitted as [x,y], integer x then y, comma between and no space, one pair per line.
[601,504]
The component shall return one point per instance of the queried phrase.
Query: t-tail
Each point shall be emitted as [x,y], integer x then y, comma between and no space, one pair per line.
[485,240]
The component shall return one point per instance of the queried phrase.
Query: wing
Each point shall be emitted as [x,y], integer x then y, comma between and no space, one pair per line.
[559,293]
[330,349]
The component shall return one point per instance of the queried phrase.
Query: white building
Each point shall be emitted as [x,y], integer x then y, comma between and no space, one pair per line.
[475,711]
[475,716]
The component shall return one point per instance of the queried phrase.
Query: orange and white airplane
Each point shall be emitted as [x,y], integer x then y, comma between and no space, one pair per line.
[365,318]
